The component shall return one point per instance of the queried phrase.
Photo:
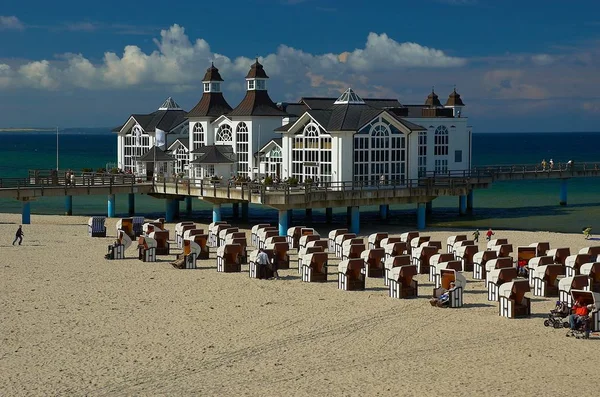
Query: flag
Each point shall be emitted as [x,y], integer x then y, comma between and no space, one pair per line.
[160,138]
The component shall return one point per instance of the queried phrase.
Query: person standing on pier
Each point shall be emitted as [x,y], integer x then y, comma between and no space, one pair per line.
[551,163]
[19,235]
[544,165]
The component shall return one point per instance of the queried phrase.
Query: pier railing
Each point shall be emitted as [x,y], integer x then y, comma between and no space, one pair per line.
[62,179]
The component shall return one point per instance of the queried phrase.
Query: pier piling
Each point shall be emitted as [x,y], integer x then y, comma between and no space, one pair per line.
[354,220]
[131,204]
[563,191]
[462,204]
[421,209]
[69,205]
[111,206]
[26,212]
[328,214]
[283,222]
[383,211]
[216,213]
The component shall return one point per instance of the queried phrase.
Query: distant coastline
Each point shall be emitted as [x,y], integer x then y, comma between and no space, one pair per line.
[26,129]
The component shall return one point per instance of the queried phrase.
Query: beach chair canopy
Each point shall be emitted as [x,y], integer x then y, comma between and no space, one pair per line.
[179,226]
[309,250]
[123,238]
[191,247]
[294,231]
[319,243]
[591,270]
[351,266]
[576,282]
[225,232]
[255,228]
[229,249]
[515,289]
[192,232]
[275,239]
[550,272]
[541,248]
[499,263]
[377,237]
[452,275]
[431,243]
[316,260]
[343,237]
[539,261]
[308,230]
[502,275]
[336,232]
[96,219]
[408,236]
[309,237]
[390,240]
[147,242]
[454,239]
[450,265]
[440,258]
[524,254]
[592,251]
[466,250]
[586,297]
[483,257]
[396,261]
[403,274]
[418,241]
[373,254]
[495,242]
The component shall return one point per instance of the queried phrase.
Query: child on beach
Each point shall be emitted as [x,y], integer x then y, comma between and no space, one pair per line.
[476,236]
[587,232]
[19,235]
[489,234]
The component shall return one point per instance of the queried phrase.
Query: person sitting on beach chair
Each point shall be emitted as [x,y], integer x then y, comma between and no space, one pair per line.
[443,299]
[579,317]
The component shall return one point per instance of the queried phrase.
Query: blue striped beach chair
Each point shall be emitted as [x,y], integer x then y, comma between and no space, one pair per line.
[96,227]
[138,222]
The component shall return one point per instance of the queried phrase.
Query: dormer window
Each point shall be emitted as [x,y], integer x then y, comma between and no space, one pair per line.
[250,84]
[261,85]
[206,87]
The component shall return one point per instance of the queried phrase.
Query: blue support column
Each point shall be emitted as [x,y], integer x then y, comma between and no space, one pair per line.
[470,202]
[462,204]
[111,206]
[131,204]
[244,211]
[290,215]
[309,214]
[68,205]
[429,207]
[421,216]
[349,216]
[169,210]
[563,192]
[354,220]
[283,222]
[176,208]
[26,213]
[235,210]
[328,215]
[216,212]
[383,211]
[188,205]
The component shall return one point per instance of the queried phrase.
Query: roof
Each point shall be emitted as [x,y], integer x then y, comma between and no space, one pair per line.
[257,103]
[277,141]
[350,118]
[212,104]
[294,109]
[214,154]
[212,74]
[454,99]
[183,141]
[165,120]
[326,103]
[155,154]
[257,71]
[433,100]
[169,104]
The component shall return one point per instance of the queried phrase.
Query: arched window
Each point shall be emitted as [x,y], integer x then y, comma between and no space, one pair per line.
[198,135]
[135,144]
[379,149]
[276,153]
[224,133]
[311,154]
[241,137]
[441,141]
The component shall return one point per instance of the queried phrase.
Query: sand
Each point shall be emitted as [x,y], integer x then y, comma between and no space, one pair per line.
[73,323]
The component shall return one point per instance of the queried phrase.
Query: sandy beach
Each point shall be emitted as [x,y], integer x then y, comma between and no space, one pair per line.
[73,323]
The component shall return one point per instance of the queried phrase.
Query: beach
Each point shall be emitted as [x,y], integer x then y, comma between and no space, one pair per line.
[73,323]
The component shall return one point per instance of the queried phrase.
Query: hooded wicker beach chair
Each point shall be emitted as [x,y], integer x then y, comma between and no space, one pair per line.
[374,240]
[512,302]
[374,259]
[435,260]
[479,260]
[333,235]
[96,226]
[496,277]
[401,282]
[229,258]
[146,249]
[351,275]
[314,267]
[293,236]
[592,271]
[453,240]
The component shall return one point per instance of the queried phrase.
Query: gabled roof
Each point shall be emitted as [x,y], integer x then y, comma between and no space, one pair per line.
[182,141]
[165,120]
[276,141]
[294,109]
[214,154]
[454,99]
[257,103]
[212,74]
[155,154]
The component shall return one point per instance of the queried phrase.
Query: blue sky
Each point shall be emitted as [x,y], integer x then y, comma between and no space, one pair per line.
[519,65]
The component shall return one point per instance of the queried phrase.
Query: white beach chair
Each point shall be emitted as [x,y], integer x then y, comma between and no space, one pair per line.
[223,233]
[254,233]
[314,267]
[574,262]
[374,259]
[545,281]
[450,265]
[534,263]
[479,260]
[497,263]
[452,240]
[496,277]
[305,251]
[374,240]
[435,260]
[213,233]
[146,249]
[191,251]
[117,250]
[229,258]
[179,230]
[293,236]
[333,235]
[351,275]
[455,294]
[401,282]
[566,284]
[392,262]
[512,300]
[339,240]
[589,298]
[592,271]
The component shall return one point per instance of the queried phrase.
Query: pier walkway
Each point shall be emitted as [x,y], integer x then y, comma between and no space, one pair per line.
[283,196]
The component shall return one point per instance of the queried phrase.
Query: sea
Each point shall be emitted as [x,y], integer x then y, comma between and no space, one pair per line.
[517,205]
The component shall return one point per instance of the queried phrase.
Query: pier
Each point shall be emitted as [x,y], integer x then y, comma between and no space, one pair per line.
[285,197]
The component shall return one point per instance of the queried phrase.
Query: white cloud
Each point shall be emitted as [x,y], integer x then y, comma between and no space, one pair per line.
[543,59]
[10,23]
[177,61]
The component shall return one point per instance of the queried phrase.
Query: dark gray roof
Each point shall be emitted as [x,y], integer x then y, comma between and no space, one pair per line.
[183,140]
[296,109]
[350,118]
[212,104]
[277,141]
[317,103]
[257,103]
[214,154]
[165,120]
[153,154]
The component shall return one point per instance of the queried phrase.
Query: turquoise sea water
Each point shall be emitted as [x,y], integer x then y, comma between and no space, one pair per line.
[529,205]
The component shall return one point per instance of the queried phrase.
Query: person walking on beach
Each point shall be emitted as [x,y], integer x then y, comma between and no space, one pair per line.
[19,235]
[476,236]
[489,234]
[263,260]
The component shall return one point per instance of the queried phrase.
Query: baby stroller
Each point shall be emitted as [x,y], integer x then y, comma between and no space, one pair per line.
[556,317]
